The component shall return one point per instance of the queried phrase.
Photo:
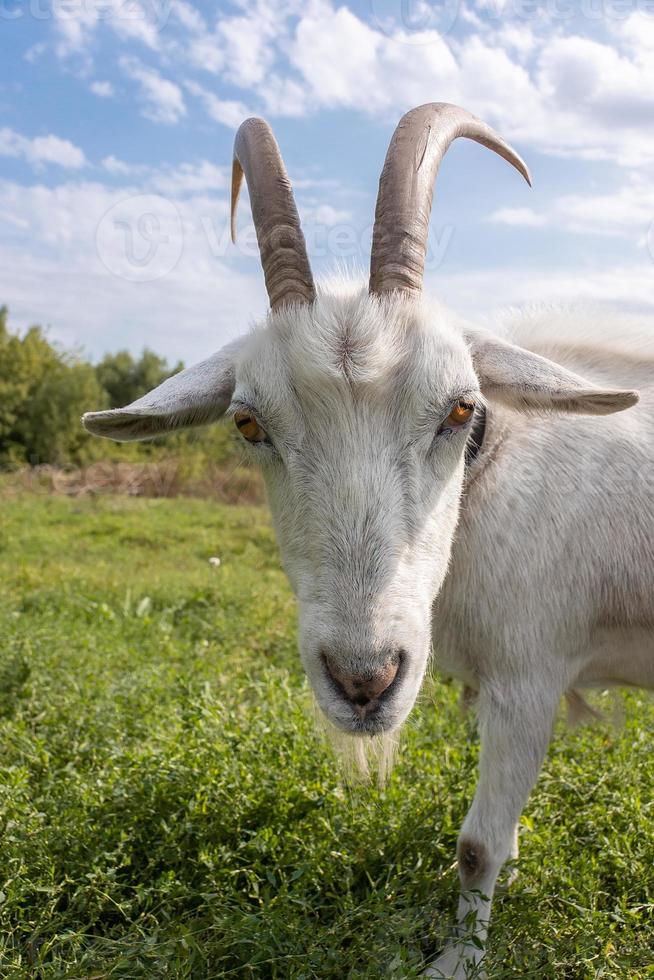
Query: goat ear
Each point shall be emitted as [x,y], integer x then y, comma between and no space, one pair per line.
[526,381]
[199,394]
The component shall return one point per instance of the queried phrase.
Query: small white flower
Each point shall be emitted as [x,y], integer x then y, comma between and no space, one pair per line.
[214,561]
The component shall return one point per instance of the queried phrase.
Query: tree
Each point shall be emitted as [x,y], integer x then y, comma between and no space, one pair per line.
[43,392]
[50,423]
[126,379]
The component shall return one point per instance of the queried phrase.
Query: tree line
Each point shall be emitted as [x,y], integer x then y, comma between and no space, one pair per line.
[44,389]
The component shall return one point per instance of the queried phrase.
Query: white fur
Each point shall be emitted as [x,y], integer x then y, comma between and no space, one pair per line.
[531,574]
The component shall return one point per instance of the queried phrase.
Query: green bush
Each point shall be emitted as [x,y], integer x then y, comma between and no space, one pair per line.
[44,390]
[126,379]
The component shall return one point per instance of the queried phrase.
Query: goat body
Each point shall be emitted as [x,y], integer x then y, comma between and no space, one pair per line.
[533,568]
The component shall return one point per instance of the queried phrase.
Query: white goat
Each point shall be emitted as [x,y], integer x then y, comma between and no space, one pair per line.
[432,482]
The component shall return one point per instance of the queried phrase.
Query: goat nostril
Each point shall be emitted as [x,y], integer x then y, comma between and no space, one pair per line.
[362,689]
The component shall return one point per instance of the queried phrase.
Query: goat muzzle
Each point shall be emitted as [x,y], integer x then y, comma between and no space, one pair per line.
[363,691]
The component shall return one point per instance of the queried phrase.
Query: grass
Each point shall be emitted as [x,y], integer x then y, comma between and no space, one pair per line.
[167,809]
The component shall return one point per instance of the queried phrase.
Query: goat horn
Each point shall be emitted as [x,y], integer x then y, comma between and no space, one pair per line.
[406,187]
[281,242]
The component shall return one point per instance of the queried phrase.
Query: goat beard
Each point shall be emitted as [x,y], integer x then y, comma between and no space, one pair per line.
[360,759]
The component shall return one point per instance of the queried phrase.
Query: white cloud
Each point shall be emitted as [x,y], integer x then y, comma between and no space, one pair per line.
[480,292]
[188,16]
[517,217]
[76,22]
[186,179]
[284,96]
[626,212]
[163,100]
[74,28]
[131,21]
[518,38]
[638,31]
[244,47]
[51,149]
[379,73]
[594,102]
[225,111]
[59,278]
[574,96]
[41,149]
[35,51]
[119,168]
[185,315]
[191,178]
[325,37]
[563,95]
[207,54]
[325,214]
[249,54]
[104,89]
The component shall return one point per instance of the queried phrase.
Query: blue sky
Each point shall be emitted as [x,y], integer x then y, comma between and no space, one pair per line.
[117,119]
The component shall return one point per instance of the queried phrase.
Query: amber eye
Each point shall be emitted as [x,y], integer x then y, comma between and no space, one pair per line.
[249,428]
[460,414]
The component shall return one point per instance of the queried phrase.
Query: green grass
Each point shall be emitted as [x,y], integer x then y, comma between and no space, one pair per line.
[167,809]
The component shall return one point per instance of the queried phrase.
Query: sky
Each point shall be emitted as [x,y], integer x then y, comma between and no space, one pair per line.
[117,120]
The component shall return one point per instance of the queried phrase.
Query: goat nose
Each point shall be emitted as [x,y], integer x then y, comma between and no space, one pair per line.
[362,689]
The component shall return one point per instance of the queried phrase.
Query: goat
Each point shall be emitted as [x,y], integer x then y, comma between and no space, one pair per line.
[431,481]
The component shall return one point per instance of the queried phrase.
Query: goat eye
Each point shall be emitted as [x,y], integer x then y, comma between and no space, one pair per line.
[460,414]
[249,428]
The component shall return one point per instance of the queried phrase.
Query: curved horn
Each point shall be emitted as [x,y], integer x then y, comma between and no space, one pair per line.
[406,186]
[281,242]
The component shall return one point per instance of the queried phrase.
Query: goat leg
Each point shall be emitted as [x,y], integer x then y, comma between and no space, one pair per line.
[515,727]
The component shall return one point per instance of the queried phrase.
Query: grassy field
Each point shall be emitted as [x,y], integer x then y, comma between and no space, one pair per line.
[167,809]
